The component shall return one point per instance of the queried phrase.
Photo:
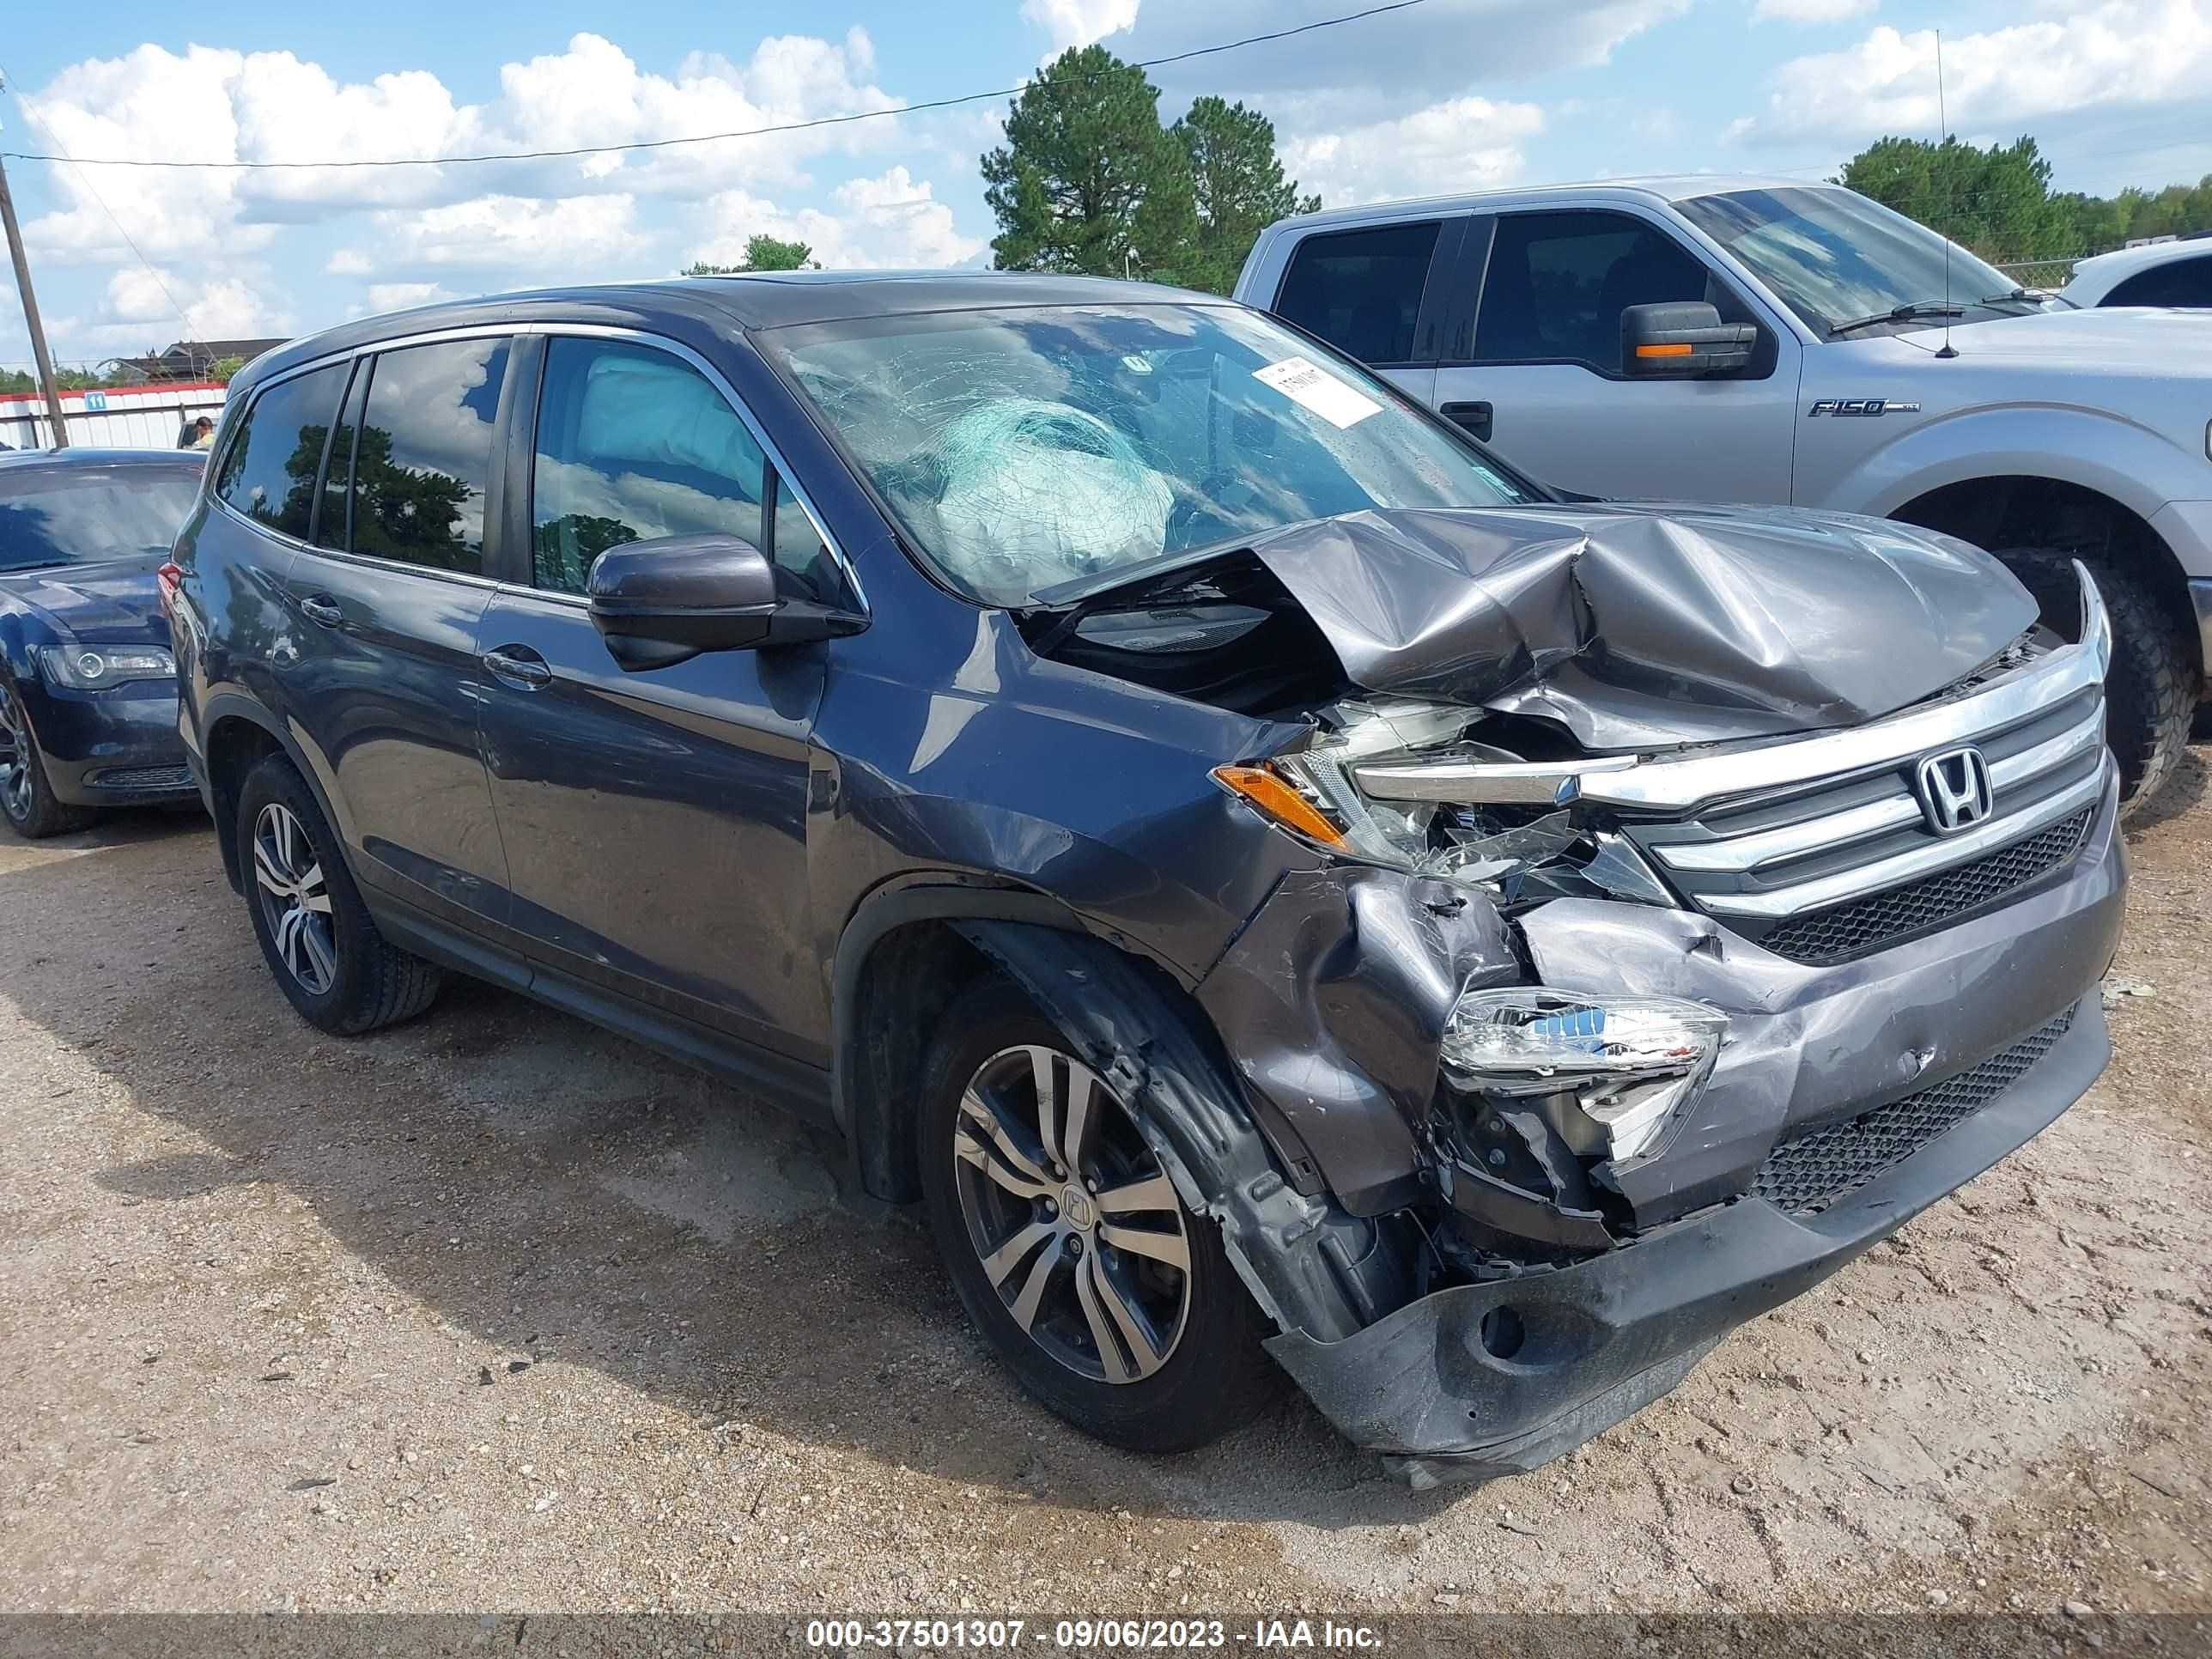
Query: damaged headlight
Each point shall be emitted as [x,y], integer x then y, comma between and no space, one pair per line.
[1525,847]
[1629,1062]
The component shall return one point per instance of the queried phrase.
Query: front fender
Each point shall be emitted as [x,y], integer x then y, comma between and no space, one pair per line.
[2133,464]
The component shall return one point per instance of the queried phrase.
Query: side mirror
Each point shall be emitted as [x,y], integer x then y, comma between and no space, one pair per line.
[1682,340]
[661,602]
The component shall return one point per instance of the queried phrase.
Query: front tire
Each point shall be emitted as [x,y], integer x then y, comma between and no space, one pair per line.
[2150,695]
[1111,1303]
[315,933]
[27,794]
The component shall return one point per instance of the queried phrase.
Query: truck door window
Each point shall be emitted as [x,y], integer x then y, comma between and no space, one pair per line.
[1360,290]
[2184,282]
[1558,282]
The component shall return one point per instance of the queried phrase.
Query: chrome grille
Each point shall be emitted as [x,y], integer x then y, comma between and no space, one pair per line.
[1807,1174]
[1837,867]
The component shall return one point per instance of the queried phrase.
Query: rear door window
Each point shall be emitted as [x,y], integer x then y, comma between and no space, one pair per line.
[269,471]
[1558,282]
[423,458]
[1361,289]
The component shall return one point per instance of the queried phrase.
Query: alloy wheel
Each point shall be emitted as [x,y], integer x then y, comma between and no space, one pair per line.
[15,756]
[1077,1226]
[295,898]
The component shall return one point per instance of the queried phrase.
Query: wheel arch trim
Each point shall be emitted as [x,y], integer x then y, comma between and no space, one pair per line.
[219,710]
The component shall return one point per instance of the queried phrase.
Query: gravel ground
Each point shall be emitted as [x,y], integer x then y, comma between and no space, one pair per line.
[497,1311]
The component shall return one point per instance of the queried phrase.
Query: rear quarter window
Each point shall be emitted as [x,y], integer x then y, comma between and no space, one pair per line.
[1360,290]
[269,471]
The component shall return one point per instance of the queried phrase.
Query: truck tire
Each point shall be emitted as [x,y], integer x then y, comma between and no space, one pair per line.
[2150,695]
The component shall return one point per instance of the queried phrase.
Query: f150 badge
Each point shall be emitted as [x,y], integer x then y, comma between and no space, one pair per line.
[1864,406]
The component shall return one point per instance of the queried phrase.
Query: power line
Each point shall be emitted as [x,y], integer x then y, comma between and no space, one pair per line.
[32,116]
[700,139]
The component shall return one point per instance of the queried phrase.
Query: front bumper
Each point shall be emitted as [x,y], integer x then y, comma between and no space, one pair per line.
[1482,1380]
[114,748]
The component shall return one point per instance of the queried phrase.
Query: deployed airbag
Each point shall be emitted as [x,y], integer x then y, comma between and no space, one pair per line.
[1040,492]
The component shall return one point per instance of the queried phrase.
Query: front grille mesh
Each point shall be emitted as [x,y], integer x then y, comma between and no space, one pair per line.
[1844,931]
[1807,1174]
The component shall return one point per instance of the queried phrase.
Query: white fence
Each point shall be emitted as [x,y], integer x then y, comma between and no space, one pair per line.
[118,417]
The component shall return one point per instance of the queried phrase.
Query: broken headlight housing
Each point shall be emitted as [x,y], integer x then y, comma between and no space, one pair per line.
[1618,1068]
[1522,844]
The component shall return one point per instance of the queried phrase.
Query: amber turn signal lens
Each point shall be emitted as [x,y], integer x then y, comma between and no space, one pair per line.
[1279,801]
[1680,349]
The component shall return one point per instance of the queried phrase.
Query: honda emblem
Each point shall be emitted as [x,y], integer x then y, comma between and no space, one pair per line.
[1953,788]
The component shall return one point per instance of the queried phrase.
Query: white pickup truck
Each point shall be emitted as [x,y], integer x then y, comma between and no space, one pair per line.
[1770,341]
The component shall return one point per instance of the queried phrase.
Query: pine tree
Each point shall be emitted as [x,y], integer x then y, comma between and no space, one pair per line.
[1088,181]
[1237,187]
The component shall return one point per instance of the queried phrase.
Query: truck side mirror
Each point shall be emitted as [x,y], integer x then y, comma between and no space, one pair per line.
[1682,340]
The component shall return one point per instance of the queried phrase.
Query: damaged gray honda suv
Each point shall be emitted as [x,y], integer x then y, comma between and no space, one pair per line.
[1284,892]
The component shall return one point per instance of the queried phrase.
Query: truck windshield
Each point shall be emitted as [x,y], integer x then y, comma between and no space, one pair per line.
[1022,449]
[1840,261]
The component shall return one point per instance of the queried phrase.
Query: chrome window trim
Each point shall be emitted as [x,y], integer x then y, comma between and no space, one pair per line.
[715,378]
[367,560]
[1936,856]
[349,356]
[513,330]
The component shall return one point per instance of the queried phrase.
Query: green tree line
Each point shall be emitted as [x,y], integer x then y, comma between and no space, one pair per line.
[1999,202]
[1089,182]
[94,379]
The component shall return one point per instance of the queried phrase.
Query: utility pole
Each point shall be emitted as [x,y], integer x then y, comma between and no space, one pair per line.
[31,314]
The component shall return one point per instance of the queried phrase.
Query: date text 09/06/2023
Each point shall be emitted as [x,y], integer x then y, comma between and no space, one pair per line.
[1135,1635]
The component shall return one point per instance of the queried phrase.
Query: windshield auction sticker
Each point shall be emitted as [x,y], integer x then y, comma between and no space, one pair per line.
[1314,388]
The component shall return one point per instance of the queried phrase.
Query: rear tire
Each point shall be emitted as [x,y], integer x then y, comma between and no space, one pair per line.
[1167,1366]
[315,933]
[27,794]
[2150,695]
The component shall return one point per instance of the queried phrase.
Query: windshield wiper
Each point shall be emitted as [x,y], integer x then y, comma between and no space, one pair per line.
[2029,296]
[1906,313]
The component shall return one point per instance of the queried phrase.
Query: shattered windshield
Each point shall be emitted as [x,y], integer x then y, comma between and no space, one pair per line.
[1027,448]
[1840,260]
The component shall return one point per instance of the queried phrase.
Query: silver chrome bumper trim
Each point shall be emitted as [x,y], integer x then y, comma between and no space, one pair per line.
[1487,783]
[1936,855]
[1741,853]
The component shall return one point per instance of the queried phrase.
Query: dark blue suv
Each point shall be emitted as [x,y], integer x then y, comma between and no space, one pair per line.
[1283,890]
[87,689]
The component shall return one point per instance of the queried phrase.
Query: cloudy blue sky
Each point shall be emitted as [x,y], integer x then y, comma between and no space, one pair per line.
[1450,95]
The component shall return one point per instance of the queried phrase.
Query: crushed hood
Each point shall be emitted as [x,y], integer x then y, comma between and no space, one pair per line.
[1648,626]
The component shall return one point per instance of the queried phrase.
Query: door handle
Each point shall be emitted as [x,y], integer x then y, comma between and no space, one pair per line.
[321,609]
[519,666]
[1475,417]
